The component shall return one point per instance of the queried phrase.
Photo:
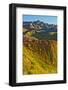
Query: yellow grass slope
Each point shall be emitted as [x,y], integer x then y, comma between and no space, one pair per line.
[39,56]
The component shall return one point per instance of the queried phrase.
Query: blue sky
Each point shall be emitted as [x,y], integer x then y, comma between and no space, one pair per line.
[46,19]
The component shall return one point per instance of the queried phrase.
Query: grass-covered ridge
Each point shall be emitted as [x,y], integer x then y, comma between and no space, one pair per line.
[40,56]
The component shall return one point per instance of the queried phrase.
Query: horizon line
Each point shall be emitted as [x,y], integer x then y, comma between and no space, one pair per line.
[40,21]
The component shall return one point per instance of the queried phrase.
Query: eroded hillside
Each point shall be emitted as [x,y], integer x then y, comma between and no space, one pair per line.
[40,56]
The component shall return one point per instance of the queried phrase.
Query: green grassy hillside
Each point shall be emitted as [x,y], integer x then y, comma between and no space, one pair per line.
[45,35]
[41,35]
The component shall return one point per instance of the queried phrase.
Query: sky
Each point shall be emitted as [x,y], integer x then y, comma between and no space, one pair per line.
[45,19]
